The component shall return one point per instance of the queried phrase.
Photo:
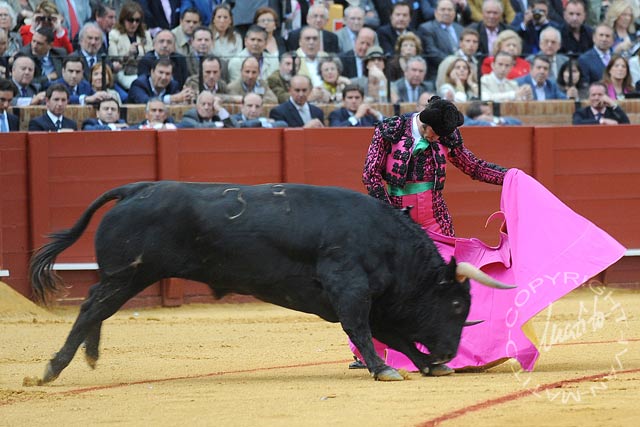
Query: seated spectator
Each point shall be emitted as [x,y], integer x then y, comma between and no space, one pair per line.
[201,46]
[164,46]
[508,41]
[410,87]
[355,112]
[107,117]
[248,82]
[279,80]
[22,71]
[468,48]
[601,109]
[4,58]
[96,82]
[480,114]
[251,114]
[57,98]
[460,84]
[209,113]
[570,81]
[103,15]
[353,60]
[297,112]
[129,41]
[354,21]
[156,115]
[8,121]
[211,81]
[408,45]
[47,15]
[634,67]
[374,81]
[317,18]
[227,42]
[621,16]
[593,61]
[542,88]
[90,39]
[617,77]
[80,90]
[505,12]
[159,85]
[189,20]
[254,41]
[47,59]
[497,87]
[423,100]
[8,22]
[533,22]
[309,54]
[267,18]
[330,69]
[550,43]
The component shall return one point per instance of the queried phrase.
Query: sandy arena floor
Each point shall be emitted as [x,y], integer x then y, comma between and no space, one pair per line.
[261,365]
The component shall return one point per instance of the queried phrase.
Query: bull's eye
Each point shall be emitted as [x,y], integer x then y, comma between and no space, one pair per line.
[457,306]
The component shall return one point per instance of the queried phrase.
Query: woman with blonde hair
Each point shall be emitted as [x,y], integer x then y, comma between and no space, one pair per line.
[129,40]
[617,78]
[96,81]
[620,16]
[508,41]
[227,42]
[460,84]
[407,46]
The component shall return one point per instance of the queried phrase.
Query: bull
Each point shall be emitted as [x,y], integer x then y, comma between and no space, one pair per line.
[336,253]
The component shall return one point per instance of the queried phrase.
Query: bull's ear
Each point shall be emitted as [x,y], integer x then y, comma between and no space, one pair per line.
[451,271]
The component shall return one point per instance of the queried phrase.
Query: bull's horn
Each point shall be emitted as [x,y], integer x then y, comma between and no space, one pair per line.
[472,322]
[464,269]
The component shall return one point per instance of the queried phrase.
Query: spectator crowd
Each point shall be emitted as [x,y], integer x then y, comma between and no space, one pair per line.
[208,54]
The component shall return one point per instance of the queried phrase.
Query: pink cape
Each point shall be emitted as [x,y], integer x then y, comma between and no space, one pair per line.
[549,251]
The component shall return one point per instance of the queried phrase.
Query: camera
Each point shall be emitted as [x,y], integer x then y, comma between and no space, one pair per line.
[538,14]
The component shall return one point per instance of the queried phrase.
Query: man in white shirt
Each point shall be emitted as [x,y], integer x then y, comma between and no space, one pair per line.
[496,87]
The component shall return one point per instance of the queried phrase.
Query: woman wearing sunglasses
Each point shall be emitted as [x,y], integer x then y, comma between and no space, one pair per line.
[129,40]
[47,15]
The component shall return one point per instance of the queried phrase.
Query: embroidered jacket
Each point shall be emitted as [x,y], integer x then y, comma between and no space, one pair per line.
[390,159]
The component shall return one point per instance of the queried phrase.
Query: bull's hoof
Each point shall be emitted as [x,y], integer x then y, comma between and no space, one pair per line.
[388,374]
[91,360]
[438,371]
[49,375]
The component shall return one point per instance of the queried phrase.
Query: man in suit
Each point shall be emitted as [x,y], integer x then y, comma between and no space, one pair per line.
[398,24]
[413,84]
[251,114]
[105,17]
[47,59]
[8,121]
[385,9]
[279,80]
[80,91]
[542,87]
[255,43]
[593,62]
[22,73]
[201,46]
[490,25]
[208,114]
[189,21]
[354,113]
[57,98]
[601,110]
[160,15]
[352,61]
[91,40]
[297,112]
[354,20]
[211,81]
[164,46]
[468,48]
[159,84]
[441,36]
[156,115]
[107,117]
[249,82]
[317,18]
[550,40]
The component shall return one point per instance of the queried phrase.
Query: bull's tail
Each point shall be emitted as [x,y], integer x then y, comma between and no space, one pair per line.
[44,281]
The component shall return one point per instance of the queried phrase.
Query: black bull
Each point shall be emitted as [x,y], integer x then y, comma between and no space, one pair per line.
[341,255]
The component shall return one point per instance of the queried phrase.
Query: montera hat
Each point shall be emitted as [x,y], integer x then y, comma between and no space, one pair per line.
[442,115]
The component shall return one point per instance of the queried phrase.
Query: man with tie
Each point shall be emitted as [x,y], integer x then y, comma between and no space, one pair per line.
[297,112]
[550,41]
[602,110]
[413,84]
[8,121]
[90,38]
[354,20]
[159,84]
[201,46]
[542,87]
[399,21]
[353,60]
[22,73]
[57,98]
[80,90]
[47,59]
[593,62]
[105,16]
[355,111]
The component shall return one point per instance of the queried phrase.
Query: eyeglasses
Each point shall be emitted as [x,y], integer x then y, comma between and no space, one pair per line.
[265,20]
[4,15]
[49,19]
[134,20]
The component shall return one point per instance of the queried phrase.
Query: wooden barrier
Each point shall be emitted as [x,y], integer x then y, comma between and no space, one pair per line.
[594,169]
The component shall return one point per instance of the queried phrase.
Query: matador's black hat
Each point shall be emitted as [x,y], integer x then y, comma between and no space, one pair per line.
[442,115]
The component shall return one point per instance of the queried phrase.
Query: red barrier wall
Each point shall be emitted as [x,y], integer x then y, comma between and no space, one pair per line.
[595,170]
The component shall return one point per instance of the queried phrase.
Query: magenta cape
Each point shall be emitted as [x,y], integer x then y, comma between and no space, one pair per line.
[545,248]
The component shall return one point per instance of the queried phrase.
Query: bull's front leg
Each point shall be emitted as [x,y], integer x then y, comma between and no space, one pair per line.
[393,339]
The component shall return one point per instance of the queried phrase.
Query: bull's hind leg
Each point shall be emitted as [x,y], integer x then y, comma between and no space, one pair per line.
[92,342]
[105,299]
